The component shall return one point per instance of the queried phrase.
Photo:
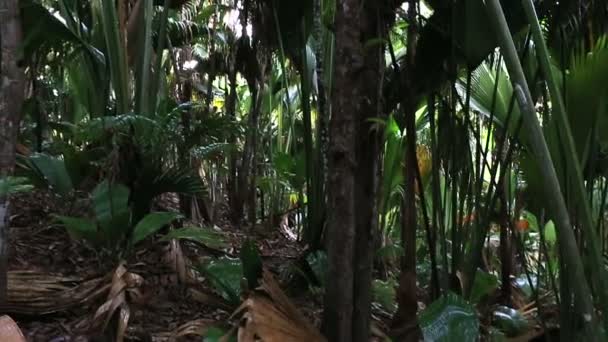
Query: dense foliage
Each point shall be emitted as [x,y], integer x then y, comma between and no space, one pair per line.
[441,164]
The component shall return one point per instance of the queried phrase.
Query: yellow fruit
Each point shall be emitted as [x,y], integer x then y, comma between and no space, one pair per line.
[423,155]
[424,160]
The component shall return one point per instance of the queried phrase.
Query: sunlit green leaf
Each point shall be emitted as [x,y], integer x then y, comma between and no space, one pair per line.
[550,234]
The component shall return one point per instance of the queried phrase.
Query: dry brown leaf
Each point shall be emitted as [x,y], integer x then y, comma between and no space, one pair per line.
[35,293]
[123,322]
[9,330]
[177,261]
[123,282]
[193,328]
[269,315]
[209,299]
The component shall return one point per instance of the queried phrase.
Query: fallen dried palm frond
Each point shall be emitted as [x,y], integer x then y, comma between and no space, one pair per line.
[123,282]
[194,328]
[268,315]
[35,293]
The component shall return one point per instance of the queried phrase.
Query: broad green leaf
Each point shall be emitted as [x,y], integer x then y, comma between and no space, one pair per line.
[390,251]
[225,274]
[10,185]
[80,228]
[283,163]
[485,283]
[152,223]
[252,263]
[106,13]
[510,321]
[215,334]
[550,234]
[205,236]
[319,265]
[54,172]
[532,220]
[450,318]
[143,55]
[208,150]
[110,203]
[109,200]
[383,292]
[41,29]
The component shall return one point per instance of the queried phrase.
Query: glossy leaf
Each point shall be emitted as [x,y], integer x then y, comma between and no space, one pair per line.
[550,234]
[151,223]
[450,318]
[225,274]
[54,172]
[252,263]
[318,263]
[485,283]
[510,321]
[205,236]
[110,204]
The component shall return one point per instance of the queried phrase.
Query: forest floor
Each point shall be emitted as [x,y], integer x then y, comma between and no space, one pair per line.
[58,286]
[61,289]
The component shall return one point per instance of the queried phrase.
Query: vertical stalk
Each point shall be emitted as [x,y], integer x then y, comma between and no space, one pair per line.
[406,294]
[600,278]
[573,265]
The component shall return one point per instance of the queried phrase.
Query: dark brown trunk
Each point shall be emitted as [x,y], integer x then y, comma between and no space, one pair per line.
[11,102]
[403,326]
[352,175]
[185,201]
[232,186]
[506,254]
[252,164]
[247,173]
[339,294]
[366,180]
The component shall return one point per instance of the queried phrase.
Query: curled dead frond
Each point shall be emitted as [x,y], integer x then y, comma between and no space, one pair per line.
[123,283]
[195,328]
[268,315]
[36,293]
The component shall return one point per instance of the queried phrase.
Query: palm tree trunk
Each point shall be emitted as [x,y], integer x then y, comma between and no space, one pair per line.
[352,160]
[404,321]
[11,101]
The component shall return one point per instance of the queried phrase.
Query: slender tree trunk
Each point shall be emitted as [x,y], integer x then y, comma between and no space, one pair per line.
[339,294]
[404,325]
[11,102]
[352,159]
[506,253]
[232,185]
[185,201]
[322,129]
